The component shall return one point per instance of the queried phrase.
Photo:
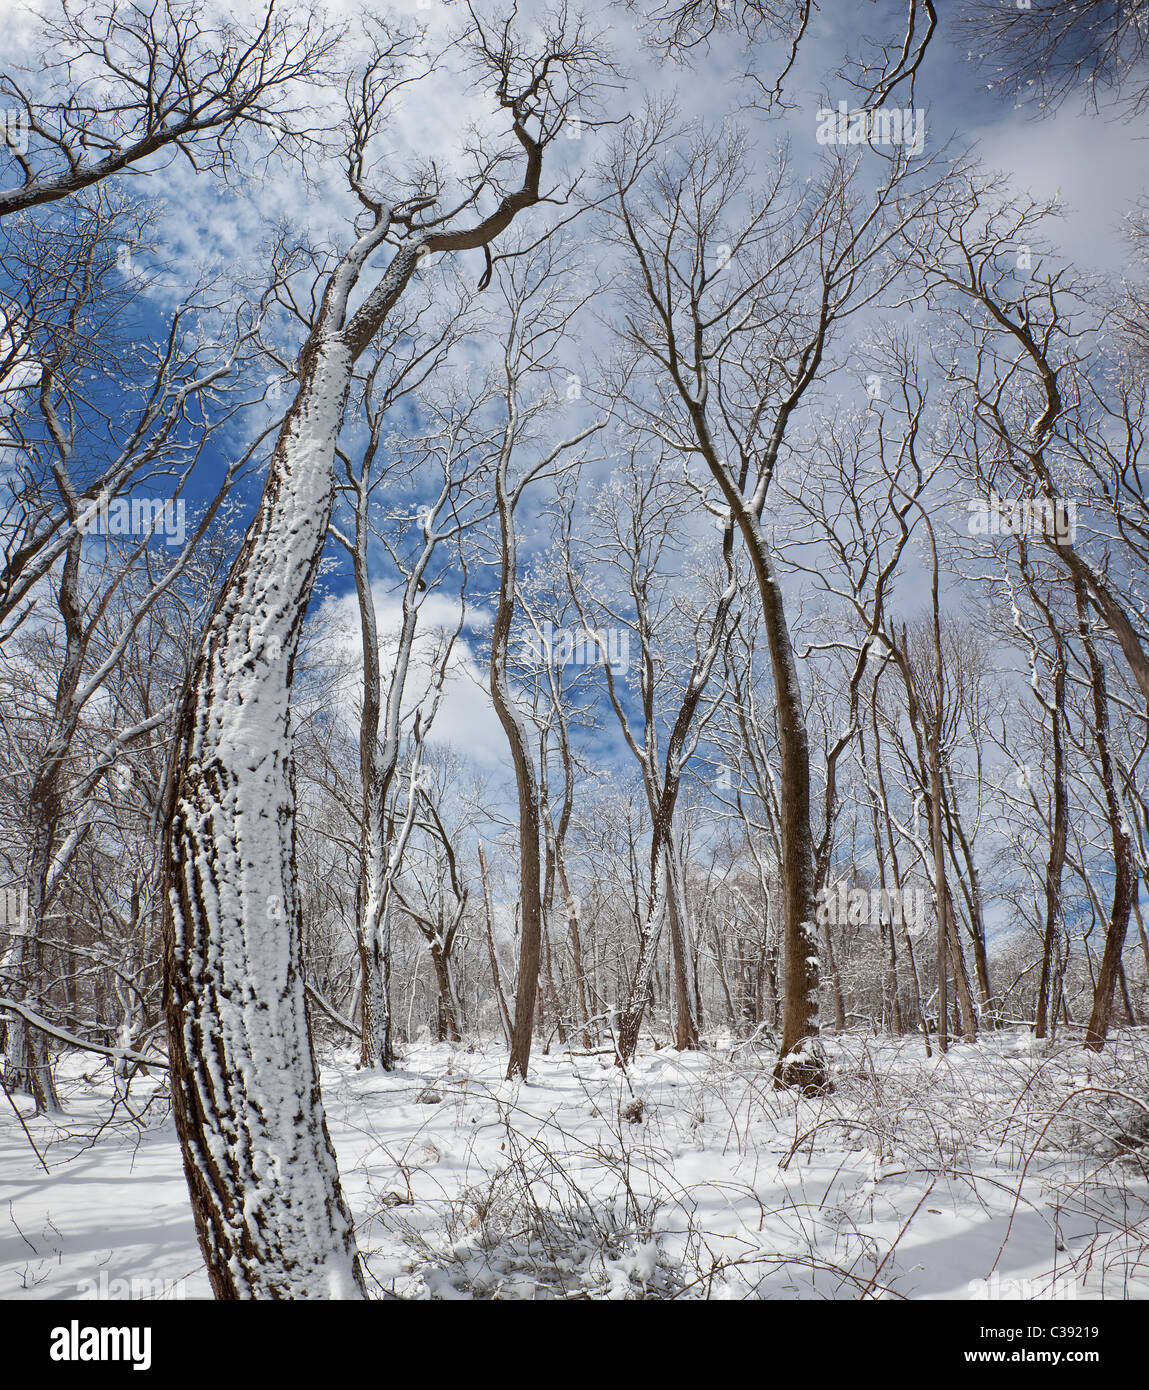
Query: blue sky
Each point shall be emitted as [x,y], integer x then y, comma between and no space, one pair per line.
[1096,164]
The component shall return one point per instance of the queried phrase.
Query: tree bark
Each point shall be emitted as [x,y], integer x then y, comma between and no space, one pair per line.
[268,1206]
[1124,875]
[1056,860]
[526,783]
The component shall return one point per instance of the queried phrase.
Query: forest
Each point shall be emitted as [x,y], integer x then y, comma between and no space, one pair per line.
[574,651]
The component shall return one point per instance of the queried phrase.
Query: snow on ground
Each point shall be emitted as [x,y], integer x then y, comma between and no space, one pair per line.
[1007,1169]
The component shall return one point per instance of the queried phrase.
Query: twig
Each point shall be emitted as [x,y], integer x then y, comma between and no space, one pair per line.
[24,1127]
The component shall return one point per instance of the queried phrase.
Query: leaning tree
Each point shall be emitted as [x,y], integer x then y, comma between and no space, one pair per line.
[269,1211]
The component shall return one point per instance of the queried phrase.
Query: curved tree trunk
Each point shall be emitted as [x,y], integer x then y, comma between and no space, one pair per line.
[682,948]
[801,1060]
[638,996]
[1123,875]
[1056,861]
[268,1206]
[526,782]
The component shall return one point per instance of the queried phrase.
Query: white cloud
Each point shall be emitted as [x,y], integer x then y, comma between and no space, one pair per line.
[466,718]
[23,370]
[1097,167]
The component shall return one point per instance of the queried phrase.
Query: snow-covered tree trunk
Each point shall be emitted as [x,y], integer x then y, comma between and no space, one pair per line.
[526,783]
[577,968]
[382,846]
[800,1059]
[376,769]
[1124,876]
[666,903]
[448,1004]
[269,1210]
[631,1022]
[1055,863]
[492,954]
[686,1014]
[268,1207]
[891,1002]
[28,1065]
[374,1005]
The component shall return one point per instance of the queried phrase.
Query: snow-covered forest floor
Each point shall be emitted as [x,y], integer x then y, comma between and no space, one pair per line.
[1020,1164]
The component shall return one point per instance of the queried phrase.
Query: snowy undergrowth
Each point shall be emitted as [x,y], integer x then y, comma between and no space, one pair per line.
[693,1178]
[1013,1162]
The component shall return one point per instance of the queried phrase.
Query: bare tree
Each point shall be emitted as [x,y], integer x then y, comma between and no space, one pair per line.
[437,901]
[539,310]
[682,28]
[244,1081]
[1124,877]
[164,441]
[1024,393]
[1046,51]
[733,293]
[855,502]
[933,713]
[401,366]
[168,83]
[72,313]
[680,630]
